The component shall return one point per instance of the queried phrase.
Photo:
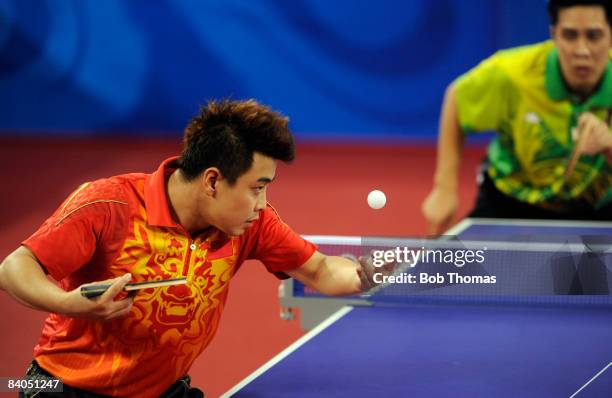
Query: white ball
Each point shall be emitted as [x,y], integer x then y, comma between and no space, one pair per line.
[377,199]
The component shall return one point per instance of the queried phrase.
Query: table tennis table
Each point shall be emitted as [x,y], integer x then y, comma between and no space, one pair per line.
[452,347]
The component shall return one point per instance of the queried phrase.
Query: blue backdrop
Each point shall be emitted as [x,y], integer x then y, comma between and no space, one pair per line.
[358,68]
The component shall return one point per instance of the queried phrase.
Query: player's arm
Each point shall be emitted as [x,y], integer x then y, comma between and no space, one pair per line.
[329,275]
[441,204]
[23,278]
[594,136]
[338,276]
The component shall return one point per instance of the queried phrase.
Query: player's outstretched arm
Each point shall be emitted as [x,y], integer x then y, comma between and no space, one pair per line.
[331,275]
[594,136]
[337,276]
[441,204]
[22,277]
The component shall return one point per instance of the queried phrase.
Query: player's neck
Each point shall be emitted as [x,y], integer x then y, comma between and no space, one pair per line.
[580,95]
[181,194]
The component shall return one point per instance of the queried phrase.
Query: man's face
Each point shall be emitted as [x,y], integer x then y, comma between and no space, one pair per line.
[582,37]
[237,206]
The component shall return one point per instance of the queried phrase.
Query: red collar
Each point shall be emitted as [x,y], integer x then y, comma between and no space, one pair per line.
[155,197]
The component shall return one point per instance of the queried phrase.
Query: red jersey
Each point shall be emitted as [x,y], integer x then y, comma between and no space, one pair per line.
[122,224]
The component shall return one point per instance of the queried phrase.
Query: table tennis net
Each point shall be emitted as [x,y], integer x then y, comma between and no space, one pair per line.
[518,269]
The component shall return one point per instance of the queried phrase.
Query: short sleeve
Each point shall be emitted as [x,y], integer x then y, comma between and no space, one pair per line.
[277,246]
[482,96]
[69,238]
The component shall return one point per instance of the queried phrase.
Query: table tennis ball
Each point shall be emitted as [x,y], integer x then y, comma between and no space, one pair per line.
[377,199]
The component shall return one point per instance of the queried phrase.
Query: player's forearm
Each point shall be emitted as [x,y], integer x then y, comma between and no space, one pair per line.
[23,278]
[331,275]
[341,277]
[450,144]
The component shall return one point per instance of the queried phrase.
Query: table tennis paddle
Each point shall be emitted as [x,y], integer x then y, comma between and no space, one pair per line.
[91,291]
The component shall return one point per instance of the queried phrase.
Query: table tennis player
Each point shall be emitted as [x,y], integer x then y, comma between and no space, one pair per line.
[546,102]
[199,216]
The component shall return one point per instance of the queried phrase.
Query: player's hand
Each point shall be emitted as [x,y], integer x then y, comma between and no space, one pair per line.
[439,209]
[592,136]
[104,307]
[367,270]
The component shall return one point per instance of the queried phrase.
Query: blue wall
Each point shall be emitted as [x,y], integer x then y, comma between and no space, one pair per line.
[358,68]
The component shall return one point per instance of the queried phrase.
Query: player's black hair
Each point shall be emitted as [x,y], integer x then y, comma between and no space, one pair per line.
[554,6]
[225,134]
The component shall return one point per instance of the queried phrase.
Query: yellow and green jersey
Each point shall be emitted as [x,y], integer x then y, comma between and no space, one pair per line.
[520,94]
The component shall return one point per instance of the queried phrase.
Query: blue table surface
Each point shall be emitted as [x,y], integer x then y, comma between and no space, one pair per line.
[494,231]
[453,350]
[447,351]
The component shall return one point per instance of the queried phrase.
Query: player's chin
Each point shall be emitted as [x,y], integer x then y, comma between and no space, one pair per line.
[238,230]
[583,83]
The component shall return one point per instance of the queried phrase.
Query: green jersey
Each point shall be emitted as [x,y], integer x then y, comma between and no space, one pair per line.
[520,94]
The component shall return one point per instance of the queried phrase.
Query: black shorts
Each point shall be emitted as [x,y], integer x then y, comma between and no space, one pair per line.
[180,389]
[492,203]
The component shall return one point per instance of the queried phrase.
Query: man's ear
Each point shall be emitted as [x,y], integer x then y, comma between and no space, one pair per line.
[210,179]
